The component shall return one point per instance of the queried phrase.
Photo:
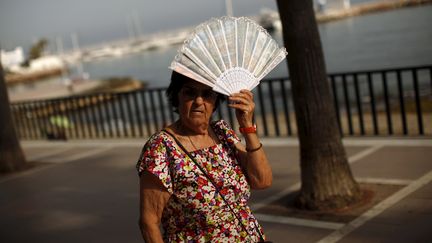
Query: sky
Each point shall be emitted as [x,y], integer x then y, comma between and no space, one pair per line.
[23,22]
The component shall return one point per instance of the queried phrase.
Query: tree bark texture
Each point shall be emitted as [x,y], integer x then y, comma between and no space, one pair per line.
[327,181]
[11,155]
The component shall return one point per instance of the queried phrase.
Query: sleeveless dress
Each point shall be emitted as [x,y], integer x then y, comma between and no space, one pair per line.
[195,212]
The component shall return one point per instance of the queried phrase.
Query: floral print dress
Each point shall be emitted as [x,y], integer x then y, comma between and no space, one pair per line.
[195,211]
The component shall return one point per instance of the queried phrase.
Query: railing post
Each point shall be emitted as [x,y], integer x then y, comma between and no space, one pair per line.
[100,106]
[87,110]
[23,118]
[418,102]
[401,102]
[97,121]
[263,110]
[273,107]
[37,120]
[108,100]
[387,103]
[162,107]
[347,104]
[146,113]
[359,105]
[286,106]
[336,102]
[373,108]
[137,113]
[154,110]
[130,115]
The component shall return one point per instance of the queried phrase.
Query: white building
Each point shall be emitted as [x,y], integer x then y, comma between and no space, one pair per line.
[322,6]
[13,58]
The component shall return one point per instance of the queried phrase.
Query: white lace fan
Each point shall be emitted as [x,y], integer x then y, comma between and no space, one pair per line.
[228,54]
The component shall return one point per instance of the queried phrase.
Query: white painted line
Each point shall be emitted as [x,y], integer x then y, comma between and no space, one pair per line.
[364,153]
[296,186]
[49,153]
[395,141]
[275,197]
[25,173]
[85,143]
[69,159]
[358,141]
[377,209]
[299,222]
[383,181]
[86,154]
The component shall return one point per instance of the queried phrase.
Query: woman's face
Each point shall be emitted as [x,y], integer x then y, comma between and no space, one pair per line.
[196,103]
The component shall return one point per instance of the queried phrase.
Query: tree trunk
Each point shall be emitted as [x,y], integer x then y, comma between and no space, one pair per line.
[327,181]
[11,155]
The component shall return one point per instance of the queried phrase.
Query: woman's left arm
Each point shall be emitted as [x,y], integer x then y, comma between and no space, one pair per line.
[252,157]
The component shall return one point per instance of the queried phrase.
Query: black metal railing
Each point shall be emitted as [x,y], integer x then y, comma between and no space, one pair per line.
[388,102]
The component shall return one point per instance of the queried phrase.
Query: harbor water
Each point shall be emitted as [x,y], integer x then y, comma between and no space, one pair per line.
[390,39]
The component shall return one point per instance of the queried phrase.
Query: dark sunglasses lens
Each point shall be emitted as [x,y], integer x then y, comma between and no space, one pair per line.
[189,93]
[209,94]
[205,94]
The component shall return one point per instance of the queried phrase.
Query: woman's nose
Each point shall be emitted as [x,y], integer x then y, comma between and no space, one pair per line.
[199,99]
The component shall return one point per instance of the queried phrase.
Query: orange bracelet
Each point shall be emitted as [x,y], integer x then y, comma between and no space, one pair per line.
[251,129]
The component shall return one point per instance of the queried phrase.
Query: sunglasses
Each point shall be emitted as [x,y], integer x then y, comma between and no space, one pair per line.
[192,93]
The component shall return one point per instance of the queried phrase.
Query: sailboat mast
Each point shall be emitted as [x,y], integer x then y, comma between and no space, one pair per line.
[229,8]
[77,50]
[59,43]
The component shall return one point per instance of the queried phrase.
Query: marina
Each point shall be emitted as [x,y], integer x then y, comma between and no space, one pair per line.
[390,39]
[268,19]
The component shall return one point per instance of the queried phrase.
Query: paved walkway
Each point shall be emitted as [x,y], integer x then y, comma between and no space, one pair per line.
[87,191]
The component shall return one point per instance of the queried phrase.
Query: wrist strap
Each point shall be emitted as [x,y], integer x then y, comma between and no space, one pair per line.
[254,149]
[245,130]
[215,186]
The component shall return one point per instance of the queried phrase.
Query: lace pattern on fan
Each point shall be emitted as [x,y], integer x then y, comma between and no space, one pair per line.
[235,79]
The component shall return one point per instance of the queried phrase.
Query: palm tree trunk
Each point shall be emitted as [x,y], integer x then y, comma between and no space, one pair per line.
[327,181]
[11,155]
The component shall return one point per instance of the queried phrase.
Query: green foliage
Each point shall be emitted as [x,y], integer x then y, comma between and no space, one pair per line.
[36,51]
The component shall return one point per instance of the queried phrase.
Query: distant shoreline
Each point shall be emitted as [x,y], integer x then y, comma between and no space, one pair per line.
[18,78]
[369,7]
[82,87]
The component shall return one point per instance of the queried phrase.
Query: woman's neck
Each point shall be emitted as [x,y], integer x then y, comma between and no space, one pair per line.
[194,138]
[190,129]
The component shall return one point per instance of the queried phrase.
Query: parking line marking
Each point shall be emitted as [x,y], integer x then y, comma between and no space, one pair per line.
[377,209]
[69,159]
[49,153]
[384,181]
[299,222]
[275,197]
[364,153]
[85,154]
[297,186]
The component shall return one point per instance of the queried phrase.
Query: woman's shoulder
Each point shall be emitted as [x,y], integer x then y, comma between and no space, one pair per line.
[156,147]
[157,139]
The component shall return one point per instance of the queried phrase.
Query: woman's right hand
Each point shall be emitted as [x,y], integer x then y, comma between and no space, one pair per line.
[244,105]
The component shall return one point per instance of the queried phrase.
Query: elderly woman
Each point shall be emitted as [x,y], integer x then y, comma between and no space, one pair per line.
[196,176]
